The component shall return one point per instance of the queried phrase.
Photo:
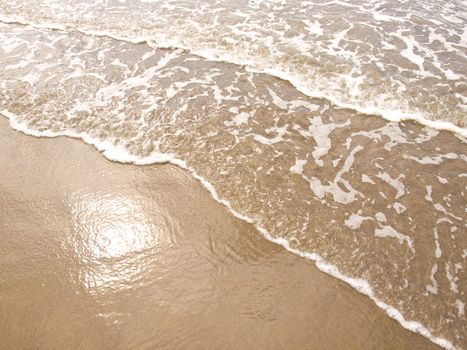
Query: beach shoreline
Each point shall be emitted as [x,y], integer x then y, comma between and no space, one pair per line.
[99,255]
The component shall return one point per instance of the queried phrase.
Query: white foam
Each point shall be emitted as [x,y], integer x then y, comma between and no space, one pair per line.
[313,27]
[280,132]
[380,217]
[239,119]
[297,168]
[389,231]
[320,132]
[428,194]
[460,307]
[119,154]
[355,221]
[442,180]
[432,160]
[433,287]
[452,279]
[438,251]
[391,114]
[367,179]
[409,53]
[399,207]
[334,188]
[395,183]
[277,100]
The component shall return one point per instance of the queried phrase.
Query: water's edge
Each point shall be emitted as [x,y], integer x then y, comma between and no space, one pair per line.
[120,155]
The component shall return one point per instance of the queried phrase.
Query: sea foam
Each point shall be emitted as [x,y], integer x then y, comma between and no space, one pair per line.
[212,54]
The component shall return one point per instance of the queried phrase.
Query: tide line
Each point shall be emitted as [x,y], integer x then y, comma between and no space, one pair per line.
[119,154]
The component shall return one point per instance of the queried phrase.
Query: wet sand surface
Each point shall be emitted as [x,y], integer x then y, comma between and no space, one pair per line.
[102,255]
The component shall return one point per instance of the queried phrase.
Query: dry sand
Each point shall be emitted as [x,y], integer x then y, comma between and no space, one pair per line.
[101,255]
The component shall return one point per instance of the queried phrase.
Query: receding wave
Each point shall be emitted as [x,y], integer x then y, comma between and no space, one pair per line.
[401,61]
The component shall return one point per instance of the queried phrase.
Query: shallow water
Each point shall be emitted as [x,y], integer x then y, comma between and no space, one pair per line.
[376,203]
[400,59]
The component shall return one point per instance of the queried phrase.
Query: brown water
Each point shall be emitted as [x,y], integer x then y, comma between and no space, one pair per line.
[99,255]
[378,204]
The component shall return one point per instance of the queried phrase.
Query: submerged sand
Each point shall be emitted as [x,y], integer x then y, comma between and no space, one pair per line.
[102,255]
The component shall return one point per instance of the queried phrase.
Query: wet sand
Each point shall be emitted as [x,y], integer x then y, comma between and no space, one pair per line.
[101,255]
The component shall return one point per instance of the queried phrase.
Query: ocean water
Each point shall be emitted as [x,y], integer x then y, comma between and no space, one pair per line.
[338,128]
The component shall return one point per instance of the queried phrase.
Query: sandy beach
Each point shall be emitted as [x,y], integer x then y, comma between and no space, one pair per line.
[102,255]
[246,174]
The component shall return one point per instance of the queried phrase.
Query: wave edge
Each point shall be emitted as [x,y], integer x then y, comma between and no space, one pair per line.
[120,155]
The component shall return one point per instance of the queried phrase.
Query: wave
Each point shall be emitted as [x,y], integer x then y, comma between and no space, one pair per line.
[393,115]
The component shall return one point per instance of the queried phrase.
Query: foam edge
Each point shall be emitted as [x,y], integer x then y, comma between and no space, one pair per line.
[120,155]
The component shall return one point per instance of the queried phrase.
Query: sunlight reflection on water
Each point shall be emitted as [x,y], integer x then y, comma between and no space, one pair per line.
[114,241]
